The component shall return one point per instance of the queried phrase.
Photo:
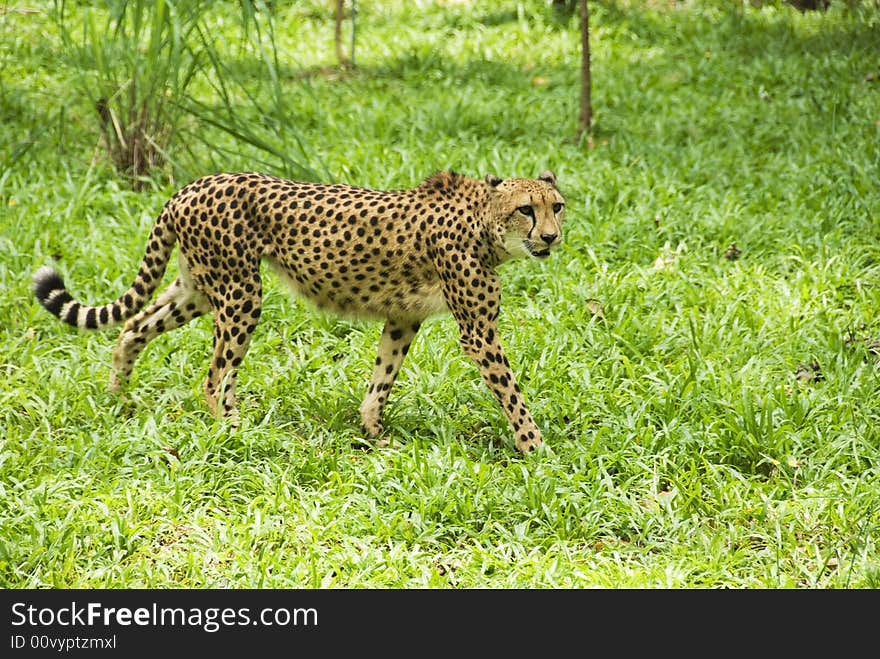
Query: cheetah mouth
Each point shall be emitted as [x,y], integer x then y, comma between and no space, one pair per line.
[538,254]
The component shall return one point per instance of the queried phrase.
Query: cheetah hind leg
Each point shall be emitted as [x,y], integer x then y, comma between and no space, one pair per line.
[235,320]
[176,305]
[393,346]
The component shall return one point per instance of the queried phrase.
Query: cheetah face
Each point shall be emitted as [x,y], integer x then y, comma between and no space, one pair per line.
[530,215]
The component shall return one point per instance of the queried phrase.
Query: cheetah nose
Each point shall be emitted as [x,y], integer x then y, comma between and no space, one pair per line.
[549,237]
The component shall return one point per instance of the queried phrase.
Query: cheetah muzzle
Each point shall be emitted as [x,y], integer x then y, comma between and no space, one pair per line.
[399,255]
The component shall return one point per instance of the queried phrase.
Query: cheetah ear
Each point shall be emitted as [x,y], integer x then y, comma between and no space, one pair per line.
[548,176]
[493,180]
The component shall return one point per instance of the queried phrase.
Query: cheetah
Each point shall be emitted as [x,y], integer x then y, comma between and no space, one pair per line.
[398,256]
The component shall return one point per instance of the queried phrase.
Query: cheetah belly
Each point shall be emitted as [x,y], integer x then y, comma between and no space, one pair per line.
[425,300]
[414,301]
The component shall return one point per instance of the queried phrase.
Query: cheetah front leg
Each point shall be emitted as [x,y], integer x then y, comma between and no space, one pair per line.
[393,346]
[474,302]
[480,343]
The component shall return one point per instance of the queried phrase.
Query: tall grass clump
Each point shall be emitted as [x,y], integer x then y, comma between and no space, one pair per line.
[135,67]
[249,98]
[156,75]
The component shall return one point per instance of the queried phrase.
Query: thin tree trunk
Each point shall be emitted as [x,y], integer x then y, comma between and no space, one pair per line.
[354,11]
[585,118]
[340,11]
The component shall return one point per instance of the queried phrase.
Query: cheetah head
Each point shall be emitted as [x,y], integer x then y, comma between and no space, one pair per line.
[528,214]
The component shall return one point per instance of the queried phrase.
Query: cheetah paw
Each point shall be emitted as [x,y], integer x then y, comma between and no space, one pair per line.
[526,446]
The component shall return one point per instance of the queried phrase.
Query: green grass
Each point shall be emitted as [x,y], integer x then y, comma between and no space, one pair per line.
[685,451]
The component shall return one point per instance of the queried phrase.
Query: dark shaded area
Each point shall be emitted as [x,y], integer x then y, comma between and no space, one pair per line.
[810,5]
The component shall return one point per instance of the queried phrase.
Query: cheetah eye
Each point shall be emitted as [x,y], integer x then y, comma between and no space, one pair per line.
[557,207]
[527,211]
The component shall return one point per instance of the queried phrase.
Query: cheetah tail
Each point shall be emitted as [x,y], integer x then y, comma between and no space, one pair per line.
[50,290]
